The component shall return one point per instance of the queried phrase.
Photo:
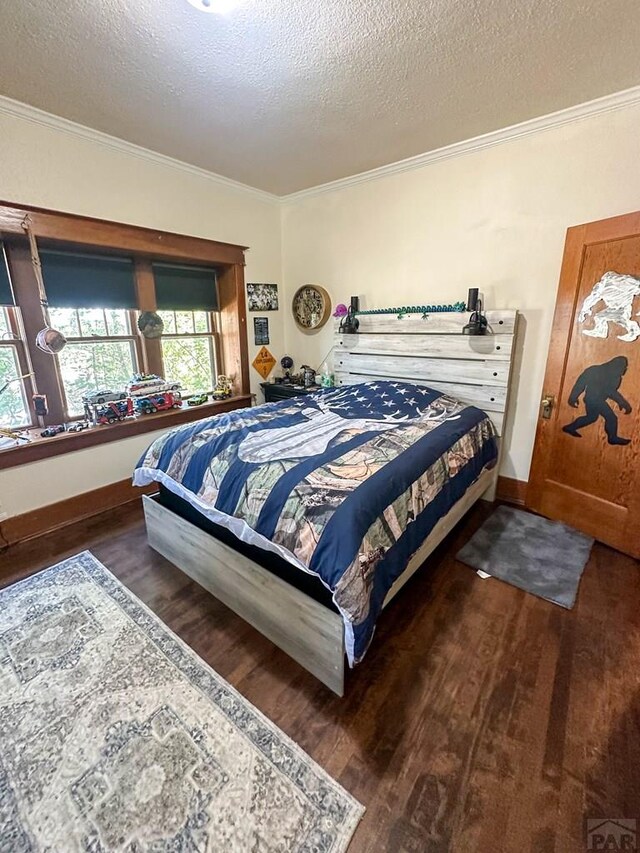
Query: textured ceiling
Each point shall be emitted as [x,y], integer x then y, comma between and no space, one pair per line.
[287,94]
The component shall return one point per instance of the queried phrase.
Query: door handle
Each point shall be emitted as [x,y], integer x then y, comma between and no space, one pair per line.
[546,405]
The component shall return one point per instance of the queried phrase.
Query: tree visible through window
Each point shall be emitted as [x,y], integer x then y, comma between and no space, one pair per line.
[100,354]
[188,349]
[14,411]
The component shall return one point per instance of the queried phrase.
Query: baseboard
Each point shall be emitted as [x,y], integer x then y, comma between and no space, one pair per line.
[511,491]
[17,528]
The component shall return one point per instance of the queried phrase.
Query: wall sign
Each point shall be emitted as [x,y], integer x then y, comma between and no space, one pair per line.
[264,362]
[617,292]
[599,384]
[260,330]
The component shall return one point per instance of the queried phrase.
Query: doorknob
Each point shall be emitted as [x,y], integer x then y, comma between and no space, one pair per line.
[547,403]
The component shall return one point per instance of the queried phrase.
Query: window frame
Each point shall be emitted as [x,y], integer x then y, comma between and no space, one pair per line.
[212,336]
[131,338]
[67,231]
[17,344]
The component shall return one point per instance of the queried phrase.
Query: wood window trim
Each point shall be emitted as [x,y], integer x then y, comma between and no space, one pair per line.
[144,245]
[103,233]
[45,448]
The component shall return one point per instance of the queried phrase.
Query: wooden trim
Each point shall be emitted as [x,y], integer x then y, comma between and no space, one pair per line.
[307,631]
[572,260]
[146,245]
[146,297]
[233,326]
[17,528]
[103,434]
[68,227]
[512,491]
[33,321]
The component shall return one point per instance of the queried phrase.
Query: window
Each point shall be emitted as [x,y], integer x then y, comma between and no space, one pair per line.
[100,353]
[99,278]
[189,349]
[14,409]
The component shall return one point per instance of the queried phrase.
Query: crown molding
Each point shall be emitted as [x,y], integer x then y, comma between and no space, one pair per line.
[570,115]
[17,109]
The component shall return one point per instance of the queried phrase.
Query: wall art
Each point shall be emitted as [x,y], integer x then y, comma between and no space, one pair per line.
[617,293]
[262,297]
[599,384]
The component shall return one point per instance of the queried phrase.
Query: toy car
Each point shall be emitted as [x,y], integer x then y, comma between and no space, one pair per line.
[150,383]
[197,399]
[77,426]
[49,432]
[100,397]
[158,403]
[114,411]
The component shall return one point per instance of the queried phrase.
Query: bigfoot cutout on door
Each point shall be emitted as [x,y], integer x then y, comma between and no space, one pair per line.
[600,383]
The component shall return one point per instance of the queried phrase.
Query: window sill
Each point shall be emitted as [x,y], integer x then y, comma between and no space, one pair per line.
[43,448]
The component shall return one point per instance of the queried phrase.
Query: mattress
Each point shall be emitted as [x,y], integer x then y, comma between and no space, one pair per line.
[344,484]
[308,584]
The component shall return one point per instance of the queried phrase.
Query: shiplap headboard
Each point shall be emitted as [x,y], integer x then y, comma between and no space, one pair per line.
[433,351]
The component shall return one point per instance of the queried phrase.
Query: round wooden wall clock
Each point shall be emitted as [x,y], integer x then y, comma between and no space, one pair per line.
[311,307]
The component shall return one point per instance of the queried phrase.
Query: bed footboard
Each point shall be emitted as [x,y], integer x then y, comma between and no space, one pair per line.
[307,631]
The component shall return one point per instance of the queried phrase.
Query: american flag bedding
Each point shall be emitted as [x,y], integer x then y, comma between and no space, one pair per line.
[345,483]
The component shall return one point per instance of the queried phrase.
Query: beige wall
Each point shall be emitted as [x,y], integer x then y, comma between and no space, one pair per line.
[495,219]
[49,167]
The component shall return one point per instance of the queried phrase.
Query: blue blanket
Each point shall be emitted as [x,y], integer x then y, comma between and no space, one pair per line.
[345,483]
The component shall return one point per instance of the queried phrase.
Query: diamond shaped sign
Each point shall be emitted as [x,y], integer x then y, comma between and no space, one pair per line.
[264,362]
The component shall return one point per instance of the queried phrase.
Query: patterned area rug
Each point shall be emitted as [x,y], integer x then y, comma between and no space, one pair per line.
[116,736]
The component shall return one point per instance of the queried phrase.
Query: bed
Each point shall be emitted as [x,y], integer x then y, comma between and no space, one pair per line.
[308,515]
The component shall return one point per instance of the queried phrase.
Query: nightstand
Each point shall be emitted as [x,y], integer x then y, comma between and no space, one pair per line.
[274,391]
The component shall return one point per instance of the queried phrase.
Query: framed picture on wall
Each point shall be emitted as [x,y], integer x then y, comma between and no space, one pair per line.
[260,331]
[262,297]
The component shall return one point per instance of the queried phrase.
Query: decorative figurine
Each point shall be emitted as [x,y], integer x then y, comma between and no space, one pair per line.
[223,389]
[286,363]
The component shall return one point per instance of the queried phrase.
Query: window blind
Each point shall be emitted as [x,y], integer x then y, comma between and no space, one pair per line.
[6,292]
[75,280]
[185,288]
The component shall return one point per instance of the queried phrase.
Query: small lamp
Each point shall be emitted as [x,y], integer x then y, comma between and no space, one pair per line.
[349,324]
[477,324]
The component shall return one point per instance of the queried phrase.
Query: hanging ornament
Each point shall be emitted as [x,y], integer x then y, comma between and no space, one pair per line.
[48,340]
[150,325]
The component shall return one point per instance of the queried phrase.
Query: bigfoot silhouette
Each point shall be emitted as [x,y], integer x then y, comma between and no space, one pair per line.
[600,383]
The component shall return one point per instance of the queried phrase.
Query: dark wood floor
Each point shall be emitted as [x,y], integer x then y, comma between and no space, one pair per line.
[483,719]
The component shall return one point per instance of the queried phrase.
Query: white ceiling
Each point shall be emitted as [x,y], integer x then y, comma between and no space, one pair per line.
[287,94]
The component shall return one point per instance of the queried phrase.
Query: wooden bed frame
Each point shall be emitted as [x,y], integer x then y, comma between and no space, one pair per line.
[430,351]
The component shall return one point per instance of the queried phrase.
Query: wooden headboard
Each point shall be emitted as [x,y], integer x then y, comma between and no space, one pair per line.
[433,351]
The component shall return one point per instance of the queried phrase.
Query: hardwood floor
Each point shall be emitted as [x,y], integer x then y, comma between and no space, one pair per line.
[483,718]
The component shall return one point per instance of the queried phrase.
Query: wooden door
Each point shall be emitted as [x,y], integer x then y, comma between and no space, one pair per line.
[586,461]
